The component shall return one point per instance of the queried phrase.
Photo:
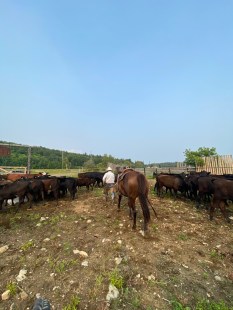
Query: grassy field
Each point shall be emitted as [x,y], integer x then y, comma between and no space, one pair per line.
[60,172]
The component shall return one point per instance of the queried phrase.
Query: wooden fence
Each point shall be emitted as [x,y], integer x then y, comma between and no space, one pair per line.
[9,169]
[217,165]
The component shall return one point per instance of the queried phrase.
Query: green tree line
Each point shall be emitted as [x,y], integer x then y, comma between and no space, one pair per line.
[45,158]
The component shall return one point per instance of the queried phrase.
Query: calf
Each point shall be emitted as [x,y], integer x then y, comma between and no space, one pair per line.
[16,189]
[85,182]
[98,176]
[171,182]
[68,184]
[205,189]
[51,185]
[223,191]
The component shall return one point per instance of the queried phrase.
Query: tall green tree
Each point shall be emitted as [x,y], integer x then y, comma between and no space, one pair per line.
[195,158]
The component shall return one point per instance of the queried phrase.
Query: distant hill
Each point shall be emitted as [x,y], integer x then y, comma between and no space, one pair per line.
[46,158]
[42,157]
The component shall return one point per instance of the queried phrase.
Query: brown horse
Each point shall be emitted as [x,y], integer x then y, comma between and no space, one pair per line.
[133,184]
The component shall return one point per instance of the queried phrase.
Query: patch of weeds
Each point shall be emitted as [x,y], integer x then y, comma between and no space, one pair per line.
[176,305]
[14,222]
[62,214]
[117,247]
[99,280]
[54,219]
[116,278]
[12,287]
[212,305]
[34,216]
[154,227]
[131,297]
[67,247]
[62,265]
[183,236]
[72,217]
[98,192]
[27,245]
[215,255]
[175,280]
[152,282]
[22,260]
[97,287]
[162,284]
[201,305]
[205,275]
[75,301]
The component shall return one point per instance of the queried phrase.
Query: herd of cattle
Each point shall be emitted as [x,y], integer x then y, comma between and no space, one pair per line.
[201,187]
[217,189]
[39,186]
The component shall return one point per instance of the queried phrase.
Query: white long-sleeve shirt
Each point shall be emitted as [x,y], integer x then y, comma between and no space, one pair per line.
[109,178]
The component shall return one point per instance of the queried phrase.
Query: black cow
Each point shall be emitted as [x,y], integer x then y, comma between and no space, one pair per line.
[88,182]
[98,176]
[191,181]
[68,184]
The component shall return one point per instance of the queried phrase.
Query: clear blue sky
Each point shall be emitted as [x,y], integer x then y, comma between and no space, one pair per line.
[143,80]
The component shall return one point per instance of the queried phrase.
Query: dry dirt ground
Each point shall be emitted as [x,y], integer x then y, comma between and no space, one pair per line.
[185,261]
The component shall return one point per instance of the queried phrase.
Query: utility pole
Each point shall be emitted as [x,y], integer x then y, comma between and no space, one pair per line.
[29,159]
[62,159]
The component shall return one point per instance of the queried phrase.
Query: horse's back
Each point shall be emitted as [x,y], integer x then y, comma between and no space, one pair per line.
[133,184]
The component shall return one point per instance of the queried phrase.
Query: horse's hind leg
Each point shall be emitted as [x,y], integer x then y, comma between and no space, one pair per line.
[131,204]
[119,202]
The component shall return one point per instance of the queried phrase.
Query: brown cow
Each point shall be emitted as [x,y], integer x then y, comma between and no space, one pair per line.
[16,176]
[16,189]
[173,182]
[223,191]
[51,185]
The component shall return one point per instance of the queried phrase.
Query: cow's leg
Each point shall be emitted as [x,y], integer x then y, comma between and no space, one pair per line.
[30,199]
[21,200]
[1,203]
[212,208]
[222,206]
[56,195]
[199,199]
[42,194]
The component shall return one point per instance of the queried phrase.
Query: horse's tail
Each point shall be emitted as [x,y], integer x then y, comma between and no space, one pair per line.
[152,208]
[142,195]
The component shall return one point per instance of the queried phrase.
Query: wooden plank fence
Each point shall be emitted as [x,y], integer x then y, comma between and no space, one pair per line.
[9,169]
[217,165]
